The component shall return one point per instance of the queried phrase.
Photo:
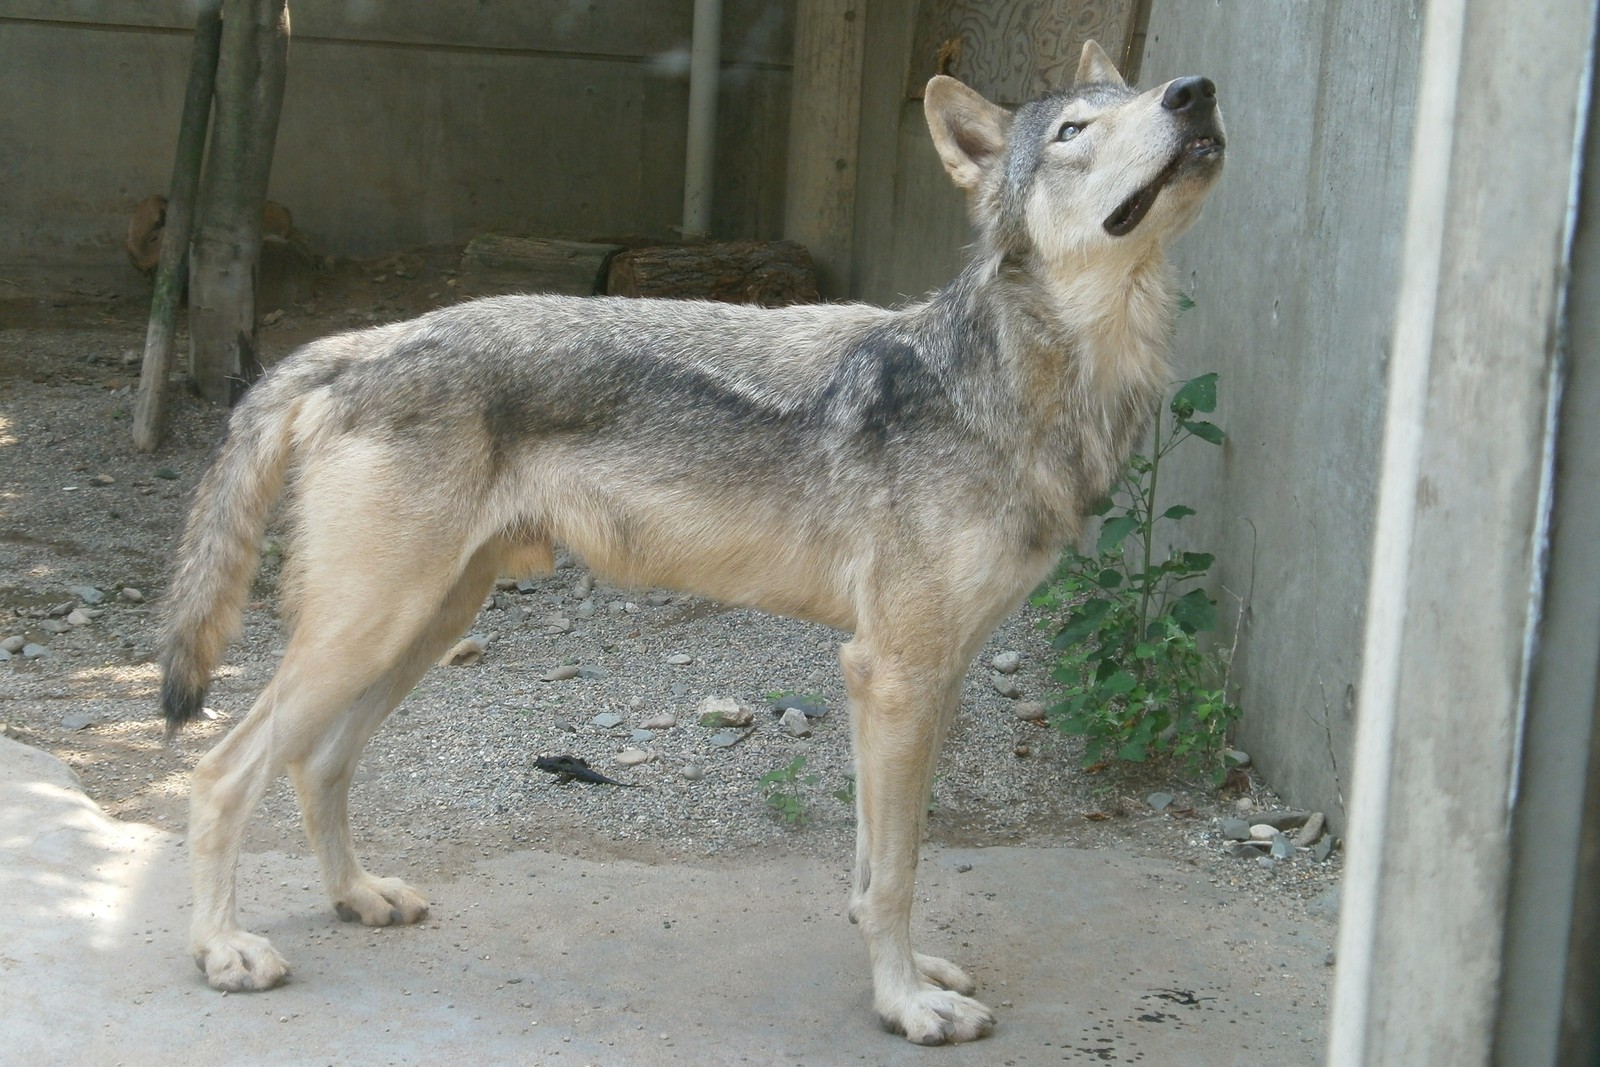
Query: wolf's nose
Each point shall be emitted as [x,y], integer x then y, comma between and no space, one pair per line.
[1193,94]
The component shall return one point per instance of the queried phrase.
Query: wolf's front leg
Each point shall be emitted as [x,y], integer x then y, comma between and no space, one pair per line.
[900,714]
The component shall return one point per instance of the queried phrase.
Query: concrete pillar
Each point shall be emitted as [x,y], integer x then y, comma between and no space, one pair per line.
[1459,581]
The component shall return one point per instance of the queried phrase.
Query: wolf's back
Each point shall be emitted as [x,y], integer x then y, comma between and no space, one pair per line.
[222,544]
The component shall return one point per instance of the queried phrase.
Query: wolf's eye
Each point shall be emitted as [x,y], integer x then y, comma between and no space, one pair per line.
[1069,130]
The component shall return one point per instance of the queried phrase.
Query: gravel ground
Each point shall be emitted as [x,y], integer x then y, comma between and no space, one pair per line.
[453,769]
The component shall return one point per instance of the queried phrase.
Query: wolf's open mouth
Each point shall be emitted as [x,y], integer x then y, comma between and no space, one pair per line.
[1133,210]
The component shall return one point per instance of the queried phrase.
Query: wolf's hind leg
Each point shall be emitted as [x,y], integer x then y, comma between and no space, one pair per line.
[333,748]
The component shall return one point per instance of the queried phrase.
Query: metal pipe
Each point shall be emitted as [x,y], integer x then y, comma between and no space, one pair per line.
[705,65]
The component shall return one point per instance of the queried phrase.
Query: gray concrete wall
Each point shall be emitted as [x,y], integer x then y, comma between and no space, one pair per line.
[403,124]
[1293,269]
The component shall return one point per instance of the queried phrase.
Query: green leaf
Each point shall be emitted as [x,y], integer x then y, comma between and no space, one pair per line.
[1114,530]
[1104,506]
[1132,751]
[1196,562]
[1185,302]
[1198,394]
[1081,623]
[1119,683]
[1110,578]
[1206,431]
[1194,612]
[1177,511]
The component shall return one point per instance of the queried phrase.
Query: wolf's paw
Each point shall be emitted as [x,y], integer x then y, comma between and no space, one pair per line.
[380,902]
[937,1017]
[946,974]
[238,962]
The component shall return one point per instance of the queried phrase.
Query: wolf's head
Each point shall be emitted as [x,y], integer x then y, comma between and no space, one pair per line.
[1081,170]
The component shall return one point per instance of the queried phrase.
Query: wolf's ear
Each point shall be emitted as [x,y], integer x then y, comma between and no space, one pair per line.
[1095,66]
[968,131]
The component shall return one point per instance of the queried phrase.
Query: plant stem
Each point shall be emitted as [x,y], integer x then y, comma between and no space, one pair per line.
[1147,531]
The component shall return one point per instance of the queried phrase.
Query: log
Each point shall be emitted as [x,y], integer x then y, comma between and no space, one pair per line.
[172,227]
[227,246]
[499,263]
[772,274]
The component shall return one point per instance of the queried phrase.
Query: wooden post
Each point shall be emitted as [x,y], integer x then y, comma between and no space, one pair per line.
[227,246]
[150,408]
[824,125]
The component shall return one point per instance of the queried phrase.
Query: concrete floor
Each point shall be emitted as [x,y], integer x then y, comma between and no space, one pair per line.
[1088,956]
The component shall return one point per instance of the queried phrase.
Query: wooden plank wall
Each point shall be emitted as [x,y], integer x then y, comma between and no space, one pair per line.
[910,222]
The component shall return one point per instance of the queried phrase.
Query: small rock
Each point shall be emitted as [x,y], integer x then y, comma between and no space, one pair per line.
[607,719]
[273,317]
[131,595]
[527,585]
[664,721]
[14,643]
[557,624]
[1159,801]
[812,707]
[723,711]
[1266,863]
[1006,685]
[794,723]
[505,585]
[692,772]
[726,738]
[595,674]
[1031,711]
[77,722]
[1244,804]
[1310,831]
[560,674]
[1236,829]
[564,726]
[630,608]
[1283,820]
[87,593]
[1323,849]
[166,474]
[102,479]
[1245,849]
[1022,750]
[467,651]
[1232,757]
[1007,662]
[4,655]
[61,610]
[32,651]
[54,626]
[79,617]
[1262,832]
[1282,848]
[642,736]
[632,757]
[658,600]
[583,587]
[585,610]
[682,659]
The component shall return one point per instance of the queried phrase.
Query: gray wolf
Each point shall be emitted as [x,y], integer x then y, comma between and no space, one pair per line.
[906,475]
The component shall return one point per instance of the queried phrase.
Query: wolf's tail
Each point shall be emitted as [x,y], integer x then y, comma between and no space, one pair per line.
[221,547]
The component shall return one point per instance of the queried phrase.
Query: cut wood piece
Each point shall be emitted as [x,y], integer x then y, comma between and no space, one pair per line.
[772,274]
[498,263]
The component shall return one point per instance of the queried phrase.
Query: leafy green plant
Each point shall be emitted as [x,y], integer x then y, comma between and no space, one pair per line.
[1136,682]
[783,786]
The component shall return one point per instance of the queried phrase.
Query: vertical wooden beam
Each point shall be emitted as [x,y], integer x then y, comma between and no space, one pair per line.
[227,246]
[824,133]
[150,407]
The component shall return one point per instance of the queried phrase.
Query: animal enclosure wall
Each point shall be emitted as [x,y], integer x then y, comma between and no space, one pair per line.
[1294,268]
[403,124]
